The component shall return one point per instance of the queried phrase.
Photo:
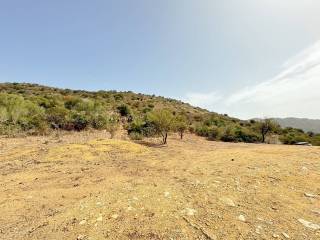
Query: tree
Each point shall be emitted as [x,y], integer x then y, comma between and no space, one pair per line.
[311,134]
[265,127]
[181,125]
[162,121]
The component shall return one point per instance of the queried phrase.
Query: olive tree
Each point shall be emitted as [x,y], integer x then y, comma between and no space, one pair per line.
[265,127]
[163,122]
[181,125]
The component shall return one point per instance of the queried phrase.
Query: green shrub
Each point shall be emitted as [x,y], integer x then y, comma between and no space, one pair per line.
[99,121]
[136,136]
[243,135]
[57,117]
[214,121]
[315,140]
[79,121]
[202,130]
[33,119]
[20,114]
[146,110]
[124,110]
[141,127]
[136,126]
[213,133]
[228,136]
[293,138]
[71,102]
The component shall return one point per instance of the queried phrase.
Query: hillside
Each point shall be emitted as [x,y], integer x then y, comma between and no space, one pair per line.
[32,109]
[139,102]
[308,125]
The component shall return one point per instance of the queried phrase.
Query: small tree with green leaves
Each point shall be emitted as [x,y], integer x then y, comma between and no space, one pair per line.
[181,125]
[265,127]
[163,122]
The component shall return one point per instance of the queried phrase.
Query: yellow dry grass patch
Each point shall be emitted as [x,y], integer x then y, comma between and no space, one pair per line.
[94,149]
[14,154]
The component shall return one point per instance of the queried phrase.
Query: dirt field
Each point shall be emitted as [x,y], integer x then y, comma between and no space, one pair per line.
[85,186]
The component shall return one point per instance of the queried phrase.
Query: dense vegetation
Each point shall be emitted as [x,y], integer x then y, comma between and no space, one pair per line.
[35,109]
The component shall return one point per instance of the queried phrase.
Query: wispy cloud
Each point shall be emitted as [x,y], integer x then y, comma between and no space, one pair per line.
[295,91]
[205,100]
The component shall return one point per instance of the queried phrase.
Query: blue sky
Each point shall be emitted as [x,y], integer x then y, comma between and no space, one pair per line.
[214,54]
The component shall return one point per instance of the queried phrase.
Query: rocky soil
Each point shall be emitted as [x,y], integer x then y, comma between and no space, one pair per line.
[86,186]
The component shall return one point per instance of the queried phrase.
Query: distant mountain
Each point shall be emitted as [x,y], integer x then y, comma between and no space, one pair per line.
[308,125]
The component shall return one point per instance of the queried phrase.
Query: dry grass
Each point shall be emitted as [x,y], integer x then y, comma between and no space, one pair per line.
[88,187]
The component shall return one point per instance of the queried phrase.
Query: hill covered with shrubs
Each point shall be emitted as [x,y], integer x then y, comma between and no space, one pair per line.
[308,125]
[35,109]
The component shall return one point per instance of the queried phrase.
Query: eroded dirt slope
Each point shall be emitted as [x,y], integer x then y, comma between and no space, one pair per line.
[85,186]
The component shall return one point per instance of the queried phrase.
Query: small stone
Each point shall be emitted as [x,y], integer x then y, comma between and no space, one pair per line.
[285,235]
[115,216]
[304,169]
[190,211]
[310,195]
[99,219]
[309,224]
[81,237]
[275,236]
[130,208]
[258,229]
[228,201]
[166,194]
[241,218]
[83,222]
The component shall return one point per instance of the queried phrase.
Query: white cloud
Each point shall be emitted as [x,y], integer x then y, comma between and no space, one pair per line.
[294,92]
[205,100]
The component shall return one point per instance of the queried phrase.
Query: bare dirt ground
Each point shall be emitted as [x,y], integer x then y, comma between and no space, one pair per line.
[85,186]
